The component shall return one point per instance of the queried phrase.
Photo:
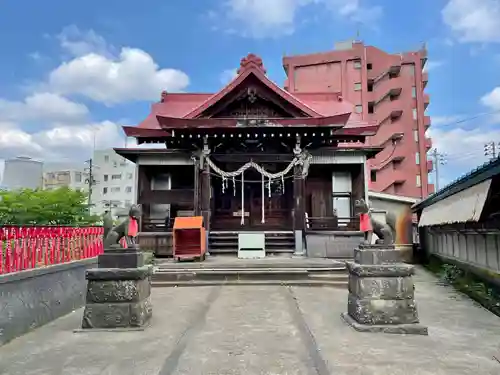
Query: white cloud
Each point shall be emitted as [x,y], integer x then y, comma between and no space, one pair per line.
[432,64]
[78,42]
[473,20]
[133,75]
[264,18]
[60,142]
[492,101]
[228,75]
[463,149]
[42,106]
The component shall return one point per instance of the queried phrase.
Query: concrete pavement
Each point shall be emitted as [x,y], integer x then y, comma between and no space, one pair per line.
[254,330]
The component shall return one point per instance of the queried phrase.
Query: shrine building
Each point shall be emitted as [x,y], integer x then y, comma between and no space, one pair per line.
[253,157]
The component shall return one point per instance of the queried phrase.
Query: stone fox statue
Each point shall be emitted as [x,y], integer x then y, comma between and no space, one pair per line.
[126,230]
[385,232]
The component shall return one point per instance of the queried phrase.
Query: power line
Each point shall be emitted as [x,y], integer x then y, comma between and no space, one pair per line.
[467,119]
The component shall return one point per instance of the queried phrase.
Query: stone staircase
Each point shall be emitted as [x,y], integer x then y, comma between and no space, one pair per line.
[217,270]
[226,243]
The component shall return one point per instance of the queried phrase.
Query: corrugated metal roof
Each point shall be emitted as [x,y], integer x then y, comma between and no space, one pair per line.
[465,206]
[476,176]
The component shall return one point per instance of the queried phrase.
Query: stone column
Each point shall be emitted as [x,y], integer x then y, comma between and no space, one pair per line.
[118,291]
[381,292]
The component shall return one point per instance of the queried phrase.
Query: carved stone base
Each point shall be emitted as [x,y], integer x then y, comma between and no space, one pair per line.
[122,258]
[376,254]
[381,293]
[118,298]
[408,329]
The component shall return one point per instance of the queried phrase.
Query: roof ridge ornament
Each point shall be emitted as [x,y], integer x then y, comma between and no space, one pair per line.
[251,60]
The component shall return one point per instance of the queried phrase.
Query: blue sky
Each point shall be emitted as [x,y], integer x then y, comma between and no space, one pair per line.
[70,70]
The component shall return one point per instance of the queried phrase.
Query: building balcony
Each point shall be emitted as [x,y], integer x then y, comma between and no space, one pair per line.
[375,76]
[428,143]
[394,70]
[427,122]
[392,177]
[427,100]
[425,79]
[430,166]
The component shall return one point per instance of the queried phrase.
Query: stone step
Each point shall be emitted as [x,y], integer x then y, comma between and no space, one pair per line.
[249,274]
[302,283]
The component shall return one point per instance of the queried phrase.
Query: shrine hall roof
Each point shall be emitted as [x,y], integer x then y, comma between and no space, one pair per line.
[190,106]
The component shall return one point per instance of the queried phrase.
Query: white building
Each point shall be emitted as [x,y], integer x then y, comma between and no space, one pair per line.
[22,173]
[115,183]
[73,176]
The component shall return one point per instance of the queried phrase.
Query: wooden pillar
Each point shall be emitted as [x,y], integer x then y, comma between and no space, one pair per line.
[298,197]
[144,190]
[196,188]
[205,194]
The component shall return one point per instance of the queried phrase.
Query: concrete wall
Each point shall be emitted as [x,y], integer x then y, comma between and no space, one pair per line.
[388,206]
[325,244]
[32,298]
[478,251]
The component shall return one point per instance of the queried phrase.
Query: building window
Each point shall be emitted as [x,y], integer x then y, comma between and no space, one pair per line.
[116,177]
[106,158]
[419,182]
[130,176]
[105,177]
[373,176]
[358,108]
[413,92]
[78,177]
[412,69]
[115,164]
[357,64]
[370,86]
[414,113]
[357,86]
[105,190]
[415,135]
[371,107]
[417,158]
[128,204]
[369,66]
[128,189]
[115,189]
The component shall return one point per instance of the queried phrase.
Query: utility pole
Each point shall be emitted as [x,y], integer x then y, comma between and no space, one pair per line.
[492,150]
[438,159]
[90,180]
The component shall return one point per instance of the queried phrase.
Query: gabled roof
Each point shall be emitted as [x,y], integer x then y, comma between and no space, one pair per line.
[251,65]
[184,110]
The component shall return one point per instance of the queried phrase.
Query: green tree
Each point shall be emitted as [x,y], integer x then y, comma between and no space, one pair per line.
[61,206]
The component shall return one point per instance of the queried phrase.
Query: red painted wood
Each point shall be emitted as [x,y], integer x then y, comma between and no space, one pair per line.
[23,248]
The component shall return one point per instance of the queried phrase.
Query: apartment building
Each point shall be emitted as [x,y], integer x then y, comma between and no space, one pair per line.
[115,183]
[57,175]
[385,88]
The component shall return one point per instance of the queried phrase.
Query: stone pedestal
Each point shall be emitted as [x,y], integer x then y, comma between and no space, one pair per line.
[381,292]
[118,292]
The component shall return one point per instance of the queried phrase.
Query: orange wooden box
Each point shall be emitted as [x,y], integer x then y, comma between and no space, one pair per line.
[189,238]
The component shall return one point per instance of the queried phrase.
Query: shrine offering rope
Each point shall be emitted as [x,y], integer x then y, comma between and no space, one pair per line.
[240,171]
[255,166]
